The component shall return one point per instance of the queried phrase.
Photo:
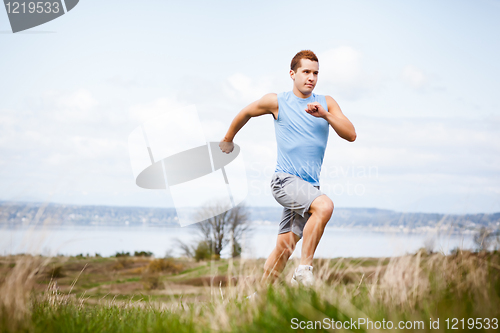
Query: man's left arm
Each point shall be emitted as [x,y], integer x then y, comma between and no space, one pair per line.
[335,118]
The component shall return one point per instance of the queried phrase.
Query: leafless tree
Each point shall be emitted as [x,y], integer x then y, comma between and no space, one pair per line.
[185,249]
[224,229]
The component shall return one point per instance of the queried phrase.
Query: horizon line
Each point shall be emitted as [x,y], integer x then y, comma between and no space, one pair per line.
[39,203]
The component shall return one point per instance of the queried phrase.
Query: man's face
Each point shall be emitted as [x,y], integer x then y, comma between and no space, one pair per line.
[306,76]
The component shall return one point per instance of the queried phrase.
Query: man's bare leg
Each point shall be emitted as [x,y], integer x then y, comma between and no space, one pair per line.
[321,211]
[277,260]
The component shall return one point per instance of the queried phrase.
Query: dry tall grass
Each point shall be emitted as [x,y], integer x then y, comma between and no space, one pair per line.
[406,286]
[16,288]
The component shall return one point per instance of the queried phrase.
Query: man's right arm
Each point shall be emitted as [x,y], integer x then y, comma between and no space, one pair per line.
[268,104]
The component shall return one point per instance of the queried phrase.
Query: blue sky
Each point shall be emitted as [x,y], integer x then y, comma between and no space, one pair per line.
[419,80]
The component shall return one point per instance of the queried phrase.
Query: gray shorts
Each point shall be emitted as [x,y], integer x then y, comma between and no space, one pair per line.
[296,196]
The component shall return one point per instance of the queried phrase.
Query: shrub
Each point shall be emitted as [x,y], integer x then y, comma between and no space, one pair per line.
[143,254]
[55,272]
[203,251]
[122,263]
[150,281]
[164,265]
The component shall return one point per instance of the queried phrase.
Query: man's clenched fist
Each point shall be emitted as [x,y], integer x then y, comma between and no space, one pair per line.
[316,109]
[226,146]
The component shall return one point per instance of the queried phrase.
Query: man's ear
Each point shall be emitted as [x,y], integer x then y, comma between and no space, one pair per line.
[292,74]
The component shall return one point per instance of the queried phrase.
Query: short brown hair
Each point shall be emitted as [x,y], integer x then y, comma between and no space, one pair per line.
[304,54]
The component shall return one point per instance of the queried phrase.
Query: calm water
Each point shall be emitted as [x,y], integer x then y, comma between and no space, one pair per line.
[162,240]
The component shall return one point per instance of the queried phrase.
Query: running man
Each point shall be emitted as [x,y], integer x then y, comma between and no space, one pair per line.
[302,121]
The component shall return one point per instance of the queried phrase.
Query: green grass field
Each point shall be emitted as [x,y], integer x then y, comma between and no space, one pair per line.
[140,294]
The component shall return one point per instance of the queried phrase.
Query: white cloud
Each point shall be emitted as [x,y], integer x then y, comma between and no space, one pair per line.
[138,114]
[69,108]
[214,129]
[62,133]
[96,148]
[341,68]
[341,65]
[81,99]
[242,88]
[415,158]
[420,145]
[414,77]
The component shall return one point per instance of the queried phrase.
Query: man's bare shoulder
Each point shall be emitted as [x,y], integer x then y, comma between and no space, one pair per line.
[269,102]
[330,100]
[332,104]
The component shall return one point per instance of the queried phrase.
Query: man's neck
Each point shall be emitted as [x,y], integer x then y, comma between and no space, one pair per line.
[297,93]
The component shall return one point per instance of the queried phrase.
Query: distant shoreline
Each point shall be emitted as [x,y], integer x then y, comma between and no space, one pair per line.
[378,229]
[20,214]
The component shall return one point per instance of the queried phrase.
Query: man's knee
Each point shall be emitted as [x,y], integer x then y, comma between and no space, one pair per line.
[285,246]
[285,250]
[322,206]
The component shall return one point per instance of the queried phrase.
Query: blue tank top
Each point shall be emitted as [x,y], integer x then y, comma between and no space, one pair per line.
[301,137]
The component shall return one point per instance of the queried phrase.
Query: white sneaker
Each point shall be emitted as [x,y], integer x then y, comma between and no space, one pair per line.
[303,277]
